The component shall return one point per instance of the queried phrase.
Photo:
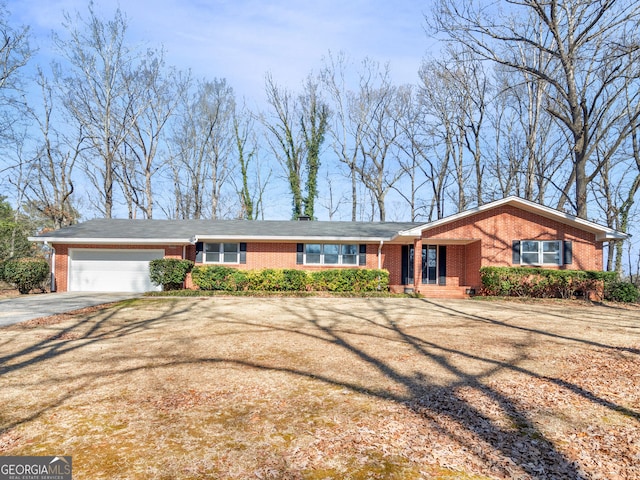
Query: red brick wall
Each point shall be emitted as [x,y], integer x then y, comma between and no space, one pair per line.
[456,267]
[284,255]
[259,255]
[473,263]
[391,261]
[496,229]
[61,271]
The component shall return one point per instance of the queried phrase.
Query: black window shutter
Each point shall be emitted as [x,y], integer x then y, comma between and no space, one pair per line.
[442,265]
[300,253]
[243,252]
[515,249]
[199,248]
[568,252]
[362,258]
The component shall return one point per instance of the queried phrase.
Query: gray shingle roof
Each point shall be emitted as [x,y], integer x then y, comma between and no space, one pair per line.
[182,231]
[188,231]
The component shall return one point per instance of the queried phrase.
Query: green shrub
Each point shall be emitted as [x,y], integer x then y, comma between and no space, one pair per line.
[267,280]
[219,277]
[295,280]
[542,283]
[26,273]
[622,292]
[238,280]
[169,272]
[350,280]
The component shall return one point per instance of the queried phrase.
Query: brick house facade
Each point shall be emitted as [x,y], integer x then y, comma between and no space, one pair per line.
[441,258]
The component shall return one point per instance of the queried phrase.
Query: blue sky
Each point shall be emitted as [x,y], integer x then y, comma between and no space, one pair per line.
[241,40]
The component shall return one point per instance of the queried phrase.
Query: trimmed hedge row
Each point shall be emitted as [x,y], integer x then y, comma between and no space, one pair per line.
[221,278]
[542,283]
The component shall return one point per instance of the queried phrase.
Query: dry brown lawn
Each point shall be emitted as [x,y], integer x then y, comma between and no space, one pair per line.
[324,388]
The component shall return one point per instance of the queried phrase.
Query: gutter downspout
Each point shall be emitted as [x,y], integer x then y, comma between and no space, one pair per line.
[380,255]
[52,286]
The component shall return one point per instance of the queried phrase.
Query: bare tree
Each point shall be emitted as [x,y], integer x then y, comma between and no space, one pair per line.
[158,97]
[528,151]
[444,111]
[97,94]
[15,54]
[252,186]
[345,128]
[285,139]
[295,132]
[51,186]
[203,139]
[472,89]
[378,105]
[415,143]
[329,201]
[618,184]
[313,122]
[592,51]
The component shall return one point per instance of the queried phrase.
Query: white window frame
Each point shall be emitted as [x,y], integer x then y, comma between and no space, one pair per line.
[221,252]
[341,254]
[540,252]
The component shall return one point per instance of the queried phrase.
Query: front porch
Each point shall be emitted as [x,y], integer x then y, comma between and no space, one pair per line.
[444,269]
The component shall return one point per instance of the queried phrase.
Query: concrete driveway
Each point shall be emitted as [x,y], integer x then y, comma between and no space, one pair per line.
[27,307]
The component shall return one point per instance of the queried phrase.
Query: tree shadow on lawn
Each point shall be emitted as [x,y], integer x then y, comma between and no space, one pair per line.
[587,312]
[513,443]
[89,329]
[525,446]
[559,382]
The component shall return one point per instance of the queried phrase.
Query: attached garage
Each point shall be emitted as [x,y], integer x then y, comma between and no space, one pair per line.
[111,270]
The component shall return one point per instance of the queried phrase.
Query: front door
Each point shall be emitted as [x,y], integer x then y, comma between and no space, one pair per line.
[407,264]
[434,264]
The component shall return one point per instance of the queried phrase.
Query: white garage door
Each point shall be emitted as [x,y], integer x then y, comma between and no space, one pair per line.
[111,270]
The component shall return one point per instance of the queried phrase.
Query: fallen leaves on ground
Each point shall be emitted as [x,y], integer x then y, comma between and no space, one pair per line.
[315,389]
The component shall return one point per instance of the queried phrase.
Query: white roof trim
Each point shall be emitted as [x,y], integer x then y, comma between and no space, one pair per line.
[206,238]
[113,241]
[290,239]
[602,233]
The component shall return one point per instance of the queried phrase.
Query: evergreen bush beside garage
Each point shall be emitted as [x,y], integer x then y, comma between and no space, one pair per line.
[169,272]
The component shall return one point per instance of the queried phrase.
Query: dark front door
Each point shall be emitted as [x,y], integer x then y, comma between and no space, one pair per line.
[434,264]
[407,264]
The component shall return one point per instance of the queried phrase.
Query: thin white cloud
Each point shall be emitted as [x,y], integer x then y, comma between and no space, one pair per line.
[241,40]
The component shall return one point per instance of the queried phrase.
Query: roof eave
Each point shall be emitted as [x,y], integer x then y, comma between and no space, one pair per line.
[611,236]
[601,233]
[292,239]
[112,241]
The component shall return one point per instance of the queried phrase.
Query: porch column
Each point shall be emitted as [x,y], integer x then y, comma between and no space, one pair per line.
[417,264]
